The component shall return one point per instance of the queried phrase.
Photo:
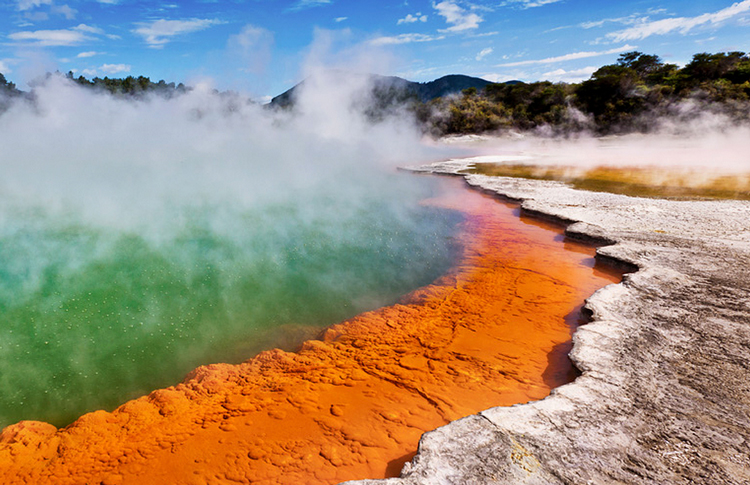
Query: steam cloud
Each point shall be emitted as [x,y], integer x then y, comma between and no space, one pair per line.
[169,233]
[116,160]
[694,137]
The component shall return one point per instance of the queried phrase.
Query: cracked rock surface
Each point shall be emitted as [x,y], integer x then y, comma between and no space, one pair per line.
[665,392]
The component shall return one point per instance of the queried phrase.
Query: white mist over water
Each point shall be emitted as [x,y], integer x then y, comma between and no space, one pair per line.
[116,160]
[697,141]
[169,233]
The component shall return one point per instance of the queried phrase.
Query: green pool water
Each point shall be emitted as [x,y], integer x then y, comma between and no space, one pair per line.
[92,315]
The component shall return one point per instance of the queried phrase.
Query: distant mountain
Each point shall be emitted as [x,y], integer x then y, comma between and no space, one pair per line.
[444,86]
[286,99]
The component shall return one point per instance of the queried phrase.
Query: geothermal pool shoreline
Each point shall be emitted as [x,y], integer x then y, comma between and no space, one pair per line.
[664,390]
[493,330]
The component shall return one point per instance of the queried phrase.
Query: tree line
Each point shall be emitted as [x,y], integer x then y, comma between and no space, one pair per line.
[8,91]
[129,86]
[628,96]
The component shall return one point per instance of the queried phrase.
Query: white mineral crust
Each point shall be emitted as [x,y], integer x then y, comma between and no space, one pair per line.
[664,395]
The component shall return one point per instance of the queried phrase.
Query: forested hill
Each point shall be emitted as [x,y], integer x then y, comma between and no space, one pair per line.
[394,86]
[633,95]
[447,85]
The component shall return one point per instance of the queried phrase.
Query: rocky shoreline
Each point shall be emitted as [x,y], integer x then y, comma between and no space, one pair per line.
[664,395]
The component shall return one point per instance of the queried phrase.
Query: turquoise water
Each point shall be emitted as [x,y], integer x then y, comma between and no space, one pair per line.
[94,314]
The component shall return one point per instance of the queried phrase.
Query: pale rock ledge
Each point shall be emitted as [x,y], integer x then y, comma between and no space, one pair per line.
[665,392]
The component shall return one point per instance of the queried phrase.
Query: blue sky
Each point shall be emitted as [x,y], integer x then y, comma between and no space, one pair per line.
[263,47]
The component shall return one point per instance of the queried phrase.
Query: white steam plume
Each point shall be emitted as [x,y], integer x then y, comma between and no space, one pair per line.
[121,162]
[694,137]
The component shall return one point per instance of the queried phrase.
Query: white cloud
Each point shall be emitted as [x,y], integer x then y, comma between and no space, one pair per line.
[458,18]
[483,34]
[683,25]
[531,3]
[27,6]
[340,19]
[109,2]
[304,4]
[36,16]
[107,69]
[410,19]
[115,68]
[31,4]
[48,38]
[484,53]
[87,54]
[573,76]
[89,29]
[65,11]
[405,39]
[159,32]
[570,57]
[704,41]
[591,24]
[4,67]
[506,76]
[629,20]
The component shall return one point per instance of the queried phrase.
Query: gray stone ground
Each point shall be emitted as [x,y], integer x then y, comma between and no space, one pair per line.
[665,392]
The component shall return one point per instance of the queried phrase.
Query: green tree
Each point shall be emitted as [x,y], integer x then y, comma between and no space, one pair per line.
[709,67]
[6,86]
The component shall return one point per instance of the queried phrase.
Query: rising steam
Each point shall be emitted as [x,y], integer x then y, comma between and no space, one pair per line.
[169,233]
[116,160]
[695,143]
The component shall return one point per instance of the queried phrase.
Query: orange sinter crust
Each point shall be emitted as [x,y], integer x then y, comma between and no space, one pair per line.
[492,332]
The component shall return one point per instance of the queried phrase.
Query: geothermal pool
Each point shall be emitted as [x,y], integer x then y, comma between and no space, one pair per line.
[493,329]
[96,314]
[140,241]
